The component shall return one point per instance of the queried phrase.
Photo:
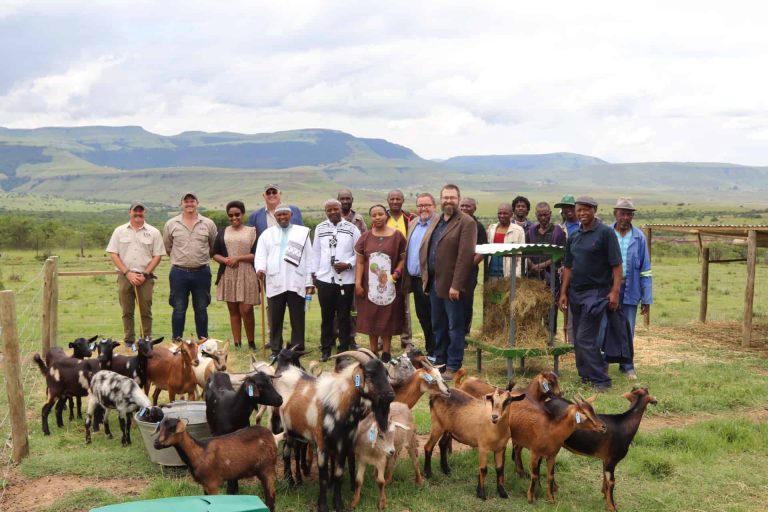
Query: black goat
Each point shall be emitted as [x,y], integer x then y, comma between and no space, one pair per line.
[228,410]
[135,367]
[65,378]
[81,349]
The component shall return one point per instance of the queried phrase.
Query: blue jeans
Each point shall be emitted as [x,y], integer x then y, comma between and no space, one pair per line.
[448,330]
[631,313]
[183,283]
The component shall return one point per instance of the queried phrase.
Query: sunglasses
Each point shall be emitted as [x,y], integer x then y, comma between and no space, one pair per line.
[271,192]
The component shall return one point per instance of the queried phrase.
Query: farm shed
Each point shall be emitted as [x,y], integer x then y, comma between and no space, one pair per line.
[755,236]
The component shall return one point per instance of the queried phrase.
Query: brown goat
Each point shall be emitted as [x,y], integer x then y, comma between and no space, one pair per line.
[470,421]
[424,380]
[248,452]
[174,372]
[538,390]
[532,427]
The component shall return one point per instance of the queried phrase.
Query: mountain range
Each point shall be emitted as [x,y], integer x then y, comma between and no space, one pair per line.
[115,163]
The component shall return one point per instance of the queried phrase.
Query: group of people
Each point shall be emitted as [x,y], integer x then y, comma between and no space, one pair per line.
[365,274]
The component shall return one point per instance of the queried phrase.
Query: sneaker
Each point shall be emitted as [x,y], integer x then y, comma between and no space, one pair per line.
[631,375]
[448,374]
[603,388]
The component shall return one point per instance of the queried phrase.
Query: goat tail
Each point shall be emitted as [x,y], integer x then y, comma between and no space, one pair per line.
[458,377]
[279,437]
[40,363]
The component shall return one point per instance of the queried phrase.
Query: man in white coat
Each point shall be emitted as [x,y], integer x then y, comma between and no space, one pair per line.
[282,256]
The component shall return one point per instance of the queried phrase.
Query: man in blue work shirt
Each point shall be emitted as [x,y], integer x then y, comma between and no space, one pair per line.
[425,209]
[592,273]
[636,277]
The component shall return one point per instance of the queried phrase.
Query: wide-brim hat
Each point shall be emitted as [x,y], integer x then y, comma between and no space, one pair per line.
[567,200]
[624,203]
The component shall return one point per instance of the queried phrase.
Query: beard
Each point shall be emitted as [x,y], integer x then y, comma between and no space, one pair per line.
[449,209]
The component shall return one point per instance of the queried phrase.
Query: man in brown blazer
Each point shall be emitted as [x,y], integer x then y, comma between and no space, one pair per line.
[446,258]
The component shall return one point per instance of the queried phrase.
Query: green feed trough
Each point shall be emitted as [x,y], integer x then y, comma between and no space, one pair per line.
[219,503]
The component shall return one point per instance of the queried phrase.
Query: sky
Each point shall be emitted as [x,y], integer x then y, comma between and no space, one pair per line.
[622,81]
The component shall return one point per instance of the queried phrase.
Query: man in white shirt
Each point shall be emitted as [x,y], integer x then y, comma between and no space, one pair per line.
[282,256]
[333,263]
[136,249]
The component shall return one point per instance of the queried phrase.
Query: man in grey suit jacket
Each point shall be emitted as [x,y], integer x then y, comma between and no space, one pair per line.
[446,258]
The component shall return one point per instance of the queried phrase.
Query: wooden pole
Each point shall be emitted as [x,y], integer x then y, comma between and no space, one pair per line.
[749,292]
[649,240]
[50,303]
[704,285]
[13,382]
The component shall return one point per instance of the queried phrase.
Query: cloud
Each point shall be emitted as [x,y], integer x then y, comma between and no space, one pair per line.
[657,80]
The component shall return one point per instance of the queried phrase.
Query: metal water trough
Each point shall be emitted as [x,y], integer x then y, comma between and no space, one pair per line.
[193,412]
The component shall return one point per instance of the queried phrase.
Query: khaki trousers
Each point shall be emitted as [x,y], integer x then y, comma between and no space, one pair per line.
[128,304]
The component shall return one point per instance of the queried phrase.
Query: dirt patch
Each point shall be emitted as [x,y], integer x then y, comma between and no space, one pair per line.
[22,494]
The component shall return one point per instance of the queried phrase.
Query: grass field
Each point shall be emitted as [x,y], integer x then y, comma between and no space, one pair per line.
[703,447]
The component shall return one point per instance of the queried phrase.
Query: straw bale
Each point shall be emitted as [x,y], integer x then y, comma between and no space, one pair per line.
[530,307]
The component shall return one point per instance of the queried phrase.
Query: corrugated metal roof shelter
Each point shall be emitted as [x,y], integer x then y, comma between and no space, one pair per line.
[755,236]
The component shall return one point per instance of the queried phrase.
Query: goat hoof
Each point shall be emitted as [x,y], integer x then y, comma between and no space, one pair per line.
[502,493]
[481,494]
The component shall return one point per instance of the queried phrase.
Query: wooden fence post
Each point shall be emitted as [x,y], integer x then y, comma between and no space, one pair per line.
[749,291]
[50,314]
[13,383]
[704,285]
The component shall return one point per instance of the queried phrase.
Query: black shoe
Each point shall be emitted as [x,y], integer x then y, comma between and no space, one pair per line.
[252,345]
[325,356]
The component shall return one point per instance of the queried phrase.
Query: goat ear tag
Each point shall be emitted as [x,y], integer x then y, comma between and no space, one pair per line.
[428,377]
[372,435]
[92,346]
[578,418]
[133,347]
[545,386]
[250,390]
[357,382]
[142,411]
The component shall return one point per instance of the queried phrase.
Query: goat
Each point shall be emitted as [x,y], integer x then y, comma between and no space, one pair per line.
[136,367]
[81,349]
[228,410]
[66,377]
[174,372]
[325,411]
[211,359]
[245,453]
[399,369]
[612,446]
[543,434]
[423,380]
[381,449]
[466,419]
[110,390]
[542,386]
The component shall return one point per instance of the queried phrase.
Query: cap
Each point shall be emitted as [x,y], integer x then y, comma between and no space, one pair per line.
[187,194]
[283,208]
[271,185]
[137,204]
[587,200]
[567,200]
[624,203]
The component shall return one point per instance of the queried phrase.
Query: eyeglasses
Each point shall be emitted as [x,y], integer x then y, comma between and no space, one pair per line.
[424,205]
[271,192]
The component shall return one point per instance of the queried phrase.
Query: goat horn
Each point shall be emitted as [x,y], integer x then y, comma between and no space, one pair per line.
[580,398]
[368,352]
[361,357]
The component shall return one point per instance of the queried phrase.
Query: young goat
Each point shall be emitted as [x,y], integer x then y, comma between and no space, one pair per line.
[211,359]
[246,453]
[533,428]
[135,367]
[66,377]
[424,380]
[612,446]
[228,410]
[81,349]
[467,420]
[381,449]
[110,390]
[174,372]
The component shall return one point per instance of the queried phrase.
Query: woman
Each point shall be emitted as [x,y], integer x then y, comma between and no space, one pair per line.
[380,259]
[236,281]
[503,232]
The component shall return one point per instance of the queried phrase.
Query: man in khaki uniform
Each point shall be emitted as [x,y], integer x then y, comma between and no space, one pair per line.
[136,249]
[189,241]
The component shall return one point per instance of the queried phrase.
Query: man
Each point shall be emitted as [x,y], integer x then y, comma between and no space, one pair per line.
[332,264]
[425,206]
[503,232]
[636,277]
[592,273]
[521,206]
[540,267]
[264,217]
[468,205]
[282,256]
[398,218]
[136,249]
[189,239]
[347,213]
[567,207]
[446,260]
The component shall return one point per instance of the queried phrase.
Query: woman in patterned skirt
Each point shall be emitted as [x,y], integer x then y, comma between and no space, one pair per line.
[236,282]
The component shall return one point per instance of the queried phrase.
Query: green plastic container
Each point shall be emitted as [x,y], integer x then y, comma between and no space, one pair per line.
[217,503]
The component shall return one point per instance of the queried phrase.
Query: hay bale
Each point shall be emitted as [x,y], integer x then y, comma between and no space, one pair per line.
[531,305]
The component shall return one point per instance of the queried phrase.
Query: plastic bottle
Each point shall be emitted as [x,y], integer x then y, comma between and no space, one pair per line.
[307,302]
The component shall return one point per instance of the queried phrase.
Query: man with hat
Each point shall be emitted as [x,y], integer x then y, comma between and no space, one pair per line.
[264,217]
[189,239]
[136,249]
[567,207]
[592,273]
[283,254]
[636,277]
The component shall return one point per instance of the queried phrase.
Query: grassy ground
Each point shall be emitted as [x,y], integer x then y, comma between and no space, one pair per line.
[703,447]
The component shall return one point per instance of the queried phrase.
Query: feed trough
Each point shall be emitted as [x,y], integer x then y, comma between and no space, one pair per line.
[197,426]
